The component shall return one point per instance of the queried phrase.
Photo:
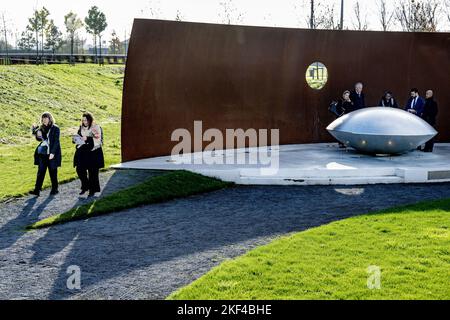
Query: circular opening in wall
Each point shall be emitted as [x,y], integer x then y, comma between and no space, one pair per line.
[317,75]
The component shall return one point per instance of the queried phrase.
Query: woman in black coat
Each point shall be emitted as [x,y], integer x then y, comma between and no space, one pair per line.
[48,153]
[345,105]
[388,100]
[88,157]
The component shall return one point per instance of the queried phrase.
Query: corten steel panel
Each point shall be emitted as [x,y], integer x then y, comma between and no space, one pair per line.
[254,77]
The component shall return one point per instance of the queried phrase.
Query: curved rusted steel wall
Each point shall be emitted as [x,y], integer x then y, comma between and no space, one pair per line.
[254,77]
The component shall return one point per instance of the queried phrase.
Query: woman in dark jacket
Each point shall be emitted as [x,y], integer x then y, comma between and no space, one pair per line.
[345,105]
[48,153]
[388,100]
[88,157]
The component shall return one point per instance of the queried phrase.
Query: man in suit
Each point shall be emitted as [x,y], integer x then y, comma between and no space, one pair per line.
[430,111]
[357,97]
[415,103]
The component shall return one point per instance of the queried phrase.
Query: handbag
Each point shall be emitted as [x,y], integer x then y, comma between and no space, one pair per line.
[333,108]
[43,148]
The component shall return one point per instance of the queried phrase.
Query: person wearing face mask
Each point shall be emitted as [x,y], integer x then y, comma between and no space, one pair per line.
[47,155]
[89,158]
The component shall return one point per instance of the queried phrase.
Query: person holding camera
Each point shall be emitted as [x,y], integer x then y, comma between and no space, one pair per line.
[88,158]
[48,153]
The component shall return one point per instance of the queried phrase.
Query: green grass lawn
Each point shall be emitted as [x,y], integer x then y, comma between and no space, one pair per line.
[172,185]
[26,91]
[410,245]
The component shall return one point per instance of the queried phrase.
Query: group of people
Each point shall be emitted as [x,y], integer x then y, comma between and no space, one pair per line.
[88,158]
[427,108]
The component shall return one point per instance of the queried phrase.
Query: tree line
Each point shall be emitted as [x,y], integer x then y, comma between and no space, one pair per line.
[410,15]
[42,35]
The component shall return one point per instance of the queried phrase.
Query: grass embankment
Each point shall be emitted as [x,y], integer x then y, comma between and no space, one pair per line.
[27,91]
[410,245]
[176,184]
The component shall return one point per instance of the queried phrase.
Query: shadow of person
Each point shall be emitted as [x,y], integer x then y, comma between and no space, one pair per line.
[14,228]
[55,242]
[158,248]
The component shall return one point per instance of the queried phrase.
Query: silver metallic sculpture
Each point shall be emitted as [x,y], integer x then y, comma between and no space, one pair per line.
[381,130]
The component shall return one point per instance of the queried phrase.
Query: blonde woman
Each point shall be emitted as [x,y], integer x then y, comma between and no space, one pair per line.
[88,157]
[48,153]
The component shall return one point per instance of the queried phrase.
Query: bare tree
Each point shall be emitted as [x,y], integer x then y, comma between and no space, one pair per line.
[152,10]
[312,20]
[430,15]
[322,16]
[418,15]
[361,18]
[385,15]
[328,19]
[5,31]
[179,17]
[447,9]
[230,14]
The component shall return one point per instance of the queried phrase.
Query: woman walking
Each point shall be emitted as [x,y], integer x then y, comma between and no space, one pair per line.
[48,153]
[88,157]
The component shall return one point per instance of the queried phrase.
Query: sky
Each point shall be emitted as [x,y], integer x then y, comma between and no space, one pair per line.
[120,14]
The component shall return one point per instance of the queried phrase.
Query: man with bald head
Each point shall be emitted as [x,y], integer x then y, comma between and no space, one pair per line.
[430,111]
[357,97]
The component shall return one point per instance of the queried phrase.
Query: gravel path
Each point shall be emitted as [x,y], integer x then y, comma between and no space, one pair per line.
[148,252]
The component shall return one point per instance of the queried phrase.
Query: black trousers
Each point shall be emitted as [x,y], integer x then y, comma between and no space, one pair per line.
[89,179]
[44,164]
[429,146]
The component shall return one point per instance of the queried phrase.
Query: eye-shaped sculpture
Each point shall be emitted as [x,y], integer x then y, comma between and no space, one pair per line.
[381,130]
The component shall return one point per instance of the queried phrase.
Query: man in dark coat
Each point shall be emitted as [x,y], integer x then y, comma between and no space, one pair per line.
[48,153]
[430,111]
[357,97]
[415,103]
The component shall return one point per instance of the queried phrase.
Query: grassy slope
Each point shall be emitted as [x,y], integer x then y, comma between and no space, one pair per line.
[411,245]
[27,91]
[162,188]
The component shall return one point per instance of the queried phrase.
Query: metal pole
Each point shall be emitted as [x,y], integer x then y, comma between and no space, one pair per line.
[341,26]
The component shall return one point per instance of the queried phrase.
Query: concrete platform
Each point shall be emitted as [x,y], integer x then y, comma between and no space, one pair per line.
[308,164]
